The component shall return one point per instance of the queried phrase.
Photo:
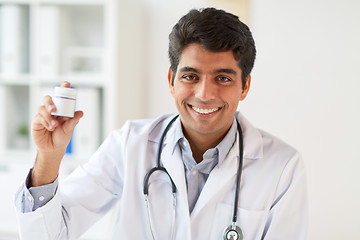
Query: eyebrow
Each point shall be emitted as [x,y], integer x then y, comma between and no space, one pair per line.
[189,69]
[221,70]
[226,70]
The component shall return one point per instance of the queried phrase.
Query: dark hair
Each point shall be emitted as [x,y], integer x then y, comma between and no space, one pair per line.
[216,30]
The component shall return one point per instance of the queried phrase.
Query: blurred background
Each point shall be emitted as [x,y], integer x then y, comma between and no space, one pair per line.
[305,86]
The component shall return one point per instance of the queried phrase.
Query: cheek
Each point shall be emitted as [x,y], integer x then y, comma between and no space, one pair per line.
[232,95]
[181,93]
[234,101]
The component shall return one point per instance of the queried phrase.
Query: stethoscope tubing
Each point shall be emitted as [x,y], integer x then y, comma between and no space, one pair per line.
[147,178]
[158,167]
[239,172]
[162,139]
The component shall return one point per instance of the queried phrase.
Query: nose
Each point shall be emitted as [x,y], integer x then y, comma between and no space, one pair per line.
[205,89]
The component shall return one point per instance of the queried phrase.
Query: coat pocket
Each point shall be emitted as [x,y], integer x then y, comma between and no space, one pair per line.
[251,222]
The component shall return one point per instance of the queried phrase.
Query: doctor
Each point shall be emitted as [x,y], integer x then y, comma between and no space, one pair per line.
[211,54]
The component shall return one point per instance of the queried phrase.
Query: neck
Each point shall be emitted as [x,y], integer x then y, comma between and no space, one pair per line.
[200,143]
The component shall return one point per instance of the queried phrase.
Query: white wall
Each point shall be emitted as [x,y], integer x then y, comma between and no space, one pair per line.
[306,90]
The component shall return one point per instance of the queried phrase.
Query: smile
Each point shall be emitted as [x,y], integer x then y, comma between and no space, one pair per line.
[205,111]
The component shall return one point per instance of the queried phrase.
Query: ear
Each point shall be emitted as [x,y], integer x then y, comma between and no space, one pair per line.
[246,88]
[170,76]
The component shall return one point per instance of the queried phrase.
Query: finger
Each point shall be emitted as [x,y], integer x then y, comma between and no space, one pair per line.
[39,124]
[44,116]
[78,115]
[46,119]
[49,104]
[65,84]
[69,125]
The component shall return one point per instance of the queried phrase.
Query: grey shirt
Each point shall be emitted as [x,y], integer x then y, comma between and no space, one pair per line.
[197,173]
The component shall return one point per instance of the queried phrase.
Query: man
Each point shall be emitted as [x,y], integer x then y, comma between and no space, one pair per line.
[211,54]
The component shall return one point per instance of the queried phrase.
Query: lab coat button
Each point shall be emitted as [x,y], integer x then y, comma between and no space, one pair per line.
[41,198]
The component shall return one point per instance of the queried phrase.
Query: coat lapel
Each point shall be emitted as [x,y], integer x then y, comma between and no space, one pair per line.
[172,161]
[225,174]
[219,177]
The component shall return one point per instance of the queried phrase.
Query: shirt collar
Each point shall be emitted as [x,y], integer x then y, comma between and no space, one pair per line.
[221,150]
[252,137]
[227,143]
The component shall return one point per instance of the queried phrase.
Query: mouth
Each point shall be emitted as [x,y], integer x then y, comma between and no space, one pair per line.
[205,111]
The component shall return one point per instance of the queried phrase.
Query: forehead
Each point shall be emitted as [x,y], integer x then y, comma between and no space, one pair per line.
[196,56]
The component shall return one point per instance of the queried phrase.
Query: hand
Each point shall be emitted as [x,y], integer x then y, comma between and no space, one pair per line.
[51,135]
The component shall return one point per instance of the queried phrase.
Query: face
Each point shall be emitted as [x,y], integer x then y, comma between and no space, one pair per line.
[207,89]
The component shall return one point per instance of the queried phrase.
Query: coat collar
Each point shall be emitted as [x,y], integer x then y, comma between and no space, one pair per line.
[253,142]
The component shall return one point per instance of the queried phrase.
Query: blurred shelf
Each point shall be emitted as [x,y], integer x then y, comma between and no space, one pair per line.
[78,81]
[15,79]
[57,2]
[49,42]
[46,42]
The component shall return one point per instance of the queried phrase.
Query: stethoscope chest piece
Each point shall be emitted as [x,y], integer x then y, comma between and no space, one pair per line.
[233,232]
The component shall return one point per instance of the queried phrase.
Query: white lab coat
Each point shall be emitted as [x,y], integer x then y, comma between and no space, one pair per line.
[272,201]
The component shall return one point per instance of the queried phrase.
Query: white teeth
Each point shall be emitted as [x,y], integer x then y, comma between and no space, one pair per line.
[204,111]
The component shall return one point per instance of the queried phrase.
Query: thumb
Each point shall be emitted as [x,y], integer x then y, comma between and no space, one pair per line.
[71,123]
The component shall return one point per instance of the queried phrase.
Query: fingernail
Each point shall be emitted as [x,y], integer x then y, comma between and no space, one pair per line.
[50,107]
[52,124]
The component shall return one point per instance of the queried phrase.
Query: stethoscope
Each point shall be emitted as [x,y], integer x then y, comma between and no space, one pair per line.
[232,232]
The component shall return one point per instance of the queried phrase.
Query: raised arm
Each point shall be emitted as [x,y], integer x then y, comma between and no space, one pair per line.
[51,135]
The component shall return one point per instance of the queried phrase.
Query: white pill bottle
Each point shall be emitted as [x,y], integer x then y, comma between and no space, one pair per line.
[64,100]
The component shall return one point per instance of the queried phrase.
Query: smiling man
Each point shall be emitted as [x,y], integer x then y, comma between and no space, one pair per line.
[207,88]
[205,173]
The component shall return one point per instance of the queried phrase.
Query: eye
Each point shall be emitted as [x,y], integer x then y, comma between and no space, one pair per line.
[190,77]
[224,79]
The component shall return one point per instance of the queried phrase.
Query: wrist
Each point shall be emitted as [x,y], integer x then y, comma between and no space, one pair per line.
[46,168]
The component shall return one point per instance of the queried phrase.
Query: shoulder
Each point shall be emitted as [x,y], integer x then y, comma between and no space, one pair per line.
[275,145]
[259,144]
[142,128]
[131,137]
